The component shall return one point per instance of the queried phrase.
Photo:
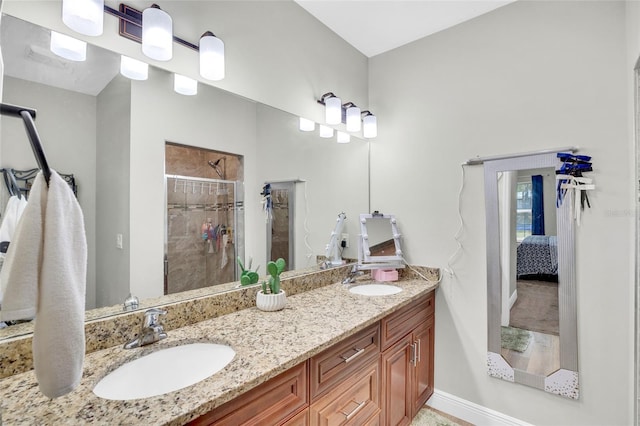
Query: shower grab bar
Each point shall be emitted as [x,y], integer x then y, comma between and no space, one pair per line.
[28,115]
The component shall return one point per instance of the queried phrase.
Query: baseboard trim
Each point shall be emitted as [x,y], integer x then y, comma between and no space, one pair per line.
[471,412]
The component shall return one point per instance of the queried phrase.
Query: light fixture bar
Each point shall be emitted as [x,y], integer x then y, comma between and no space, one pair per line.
[133,31]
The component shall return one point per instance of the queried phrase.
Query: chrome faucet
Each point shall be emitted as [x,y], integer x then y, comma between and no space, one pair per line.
[354,273]
[151,331]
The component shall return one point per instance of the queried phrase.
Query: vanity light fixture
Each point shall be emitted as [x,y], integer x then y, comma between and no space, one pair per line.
[185,85]
[133,68]
[307,125]
[326,131]
[352,117]
[68,47]
[84,16]
[332,108]
[157,33]
[211,57]
[369,125]
[343,137]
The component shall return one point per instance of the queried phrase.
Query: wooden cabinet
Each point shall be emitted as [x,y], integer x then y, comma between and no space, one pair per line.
[407,362]
[272,403]
[381,375]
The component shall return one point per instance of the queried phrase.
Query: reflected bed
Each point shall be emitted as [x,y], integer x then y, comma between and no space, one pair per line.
[538,258]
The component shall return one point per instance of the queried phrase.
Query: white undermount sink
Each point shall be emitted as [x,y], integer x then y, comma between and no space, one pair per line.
[164,371]
[375,289]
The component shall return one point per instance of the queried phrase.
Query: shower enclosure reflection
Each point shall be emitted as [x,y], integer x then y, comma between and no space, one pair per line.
[202,227]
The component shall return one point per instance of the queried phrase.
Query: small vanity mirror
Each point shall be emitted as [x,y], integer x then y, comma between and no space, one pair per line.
[379,242]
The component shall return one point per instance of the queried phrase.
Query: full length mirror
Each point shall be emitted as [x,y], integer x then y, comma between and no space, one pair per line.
[111,132]
[531,276]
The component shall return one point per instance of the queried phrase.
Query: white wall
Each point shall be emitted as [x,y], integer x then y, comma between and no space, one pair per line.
[276,52]
[66,123]
[112,191]
[213,120]
[528,76]
[334,174]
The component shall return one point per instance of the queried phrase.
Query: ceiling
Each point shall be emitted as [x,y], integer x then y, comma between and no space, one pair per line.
[376,26]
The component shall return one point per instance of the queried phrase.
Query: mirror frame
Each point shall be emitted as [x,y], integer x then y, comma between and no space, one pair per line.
[564,381]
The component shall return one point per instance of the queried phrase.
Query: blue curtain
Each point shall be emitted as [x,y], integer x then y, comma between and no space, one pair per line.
[537,206]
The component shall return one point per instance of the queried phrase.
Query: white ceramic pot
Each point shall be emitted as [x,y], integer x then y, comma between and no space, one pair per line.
[271,302]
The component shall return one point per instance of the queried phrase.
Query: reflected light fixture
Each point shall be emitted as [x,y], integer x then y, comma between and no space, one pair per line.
[307,125]
[185,85]
[343,137]
[369,125]
[133,68]
[84,16]
[157,34]
[68,47]
[326,131]
[353,118]
[211,57]
[332,108]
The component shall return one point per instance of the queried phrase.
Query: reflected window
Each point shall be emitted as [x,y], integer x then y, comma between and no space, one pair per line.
[523,210]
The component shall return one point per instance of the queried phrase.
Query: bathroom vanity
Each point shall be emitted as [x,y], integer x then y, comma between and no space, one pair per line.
[330,356]
[380,375]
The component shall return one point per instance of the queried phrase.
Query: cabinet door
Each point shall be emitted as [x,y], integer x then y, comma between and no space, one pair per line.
[397,372]
[423,370]
[300,419]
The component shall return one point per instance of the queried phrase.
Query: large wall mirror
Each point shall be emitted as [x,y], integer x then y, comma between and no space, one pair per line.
[110,133]
[532,329]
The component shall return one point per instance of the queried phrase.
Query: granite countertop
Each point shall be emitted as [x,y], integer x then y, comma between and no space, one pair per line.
[266,344]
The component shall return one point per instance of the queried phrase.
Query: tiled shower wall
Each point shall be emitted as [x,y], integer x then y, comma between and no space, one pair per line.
[194,261]
[280,225]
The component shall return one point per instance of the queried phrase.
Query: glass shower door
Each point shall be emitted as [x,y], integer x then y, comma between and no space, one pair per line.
[201,241]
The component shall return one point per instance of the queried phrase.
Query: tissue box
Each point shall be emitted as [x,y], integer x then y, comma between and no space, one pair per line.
[385,274]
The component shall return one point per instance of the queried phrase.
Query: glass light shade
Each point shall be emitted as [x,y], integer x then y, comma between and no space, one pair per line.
[325,131]
[185,85]
[370,126]
[353,119]
[157,34]
[84,16]
[133,69]
[307,125]
[68,47]
[211,57]
[333,110]
[343,137]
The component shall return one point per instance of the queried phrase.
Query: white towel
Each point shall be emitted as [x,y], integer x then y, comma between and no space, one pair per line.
[12,214]
[45,273]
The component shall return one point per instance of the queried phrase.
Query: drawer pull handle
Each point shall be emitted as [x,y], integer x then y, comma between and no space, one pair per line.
[354,356]
[355,410]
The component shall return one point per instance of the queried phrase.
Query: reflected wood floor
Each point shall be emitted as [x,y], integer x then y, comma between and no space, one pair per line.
[542,356]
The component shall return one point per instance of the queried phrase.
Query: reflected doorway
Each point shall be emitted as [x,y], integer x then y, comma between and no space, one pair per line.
[280,224]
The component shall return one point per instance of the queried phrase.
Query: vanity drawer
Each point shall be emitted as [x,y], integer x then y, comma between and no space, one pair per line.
[273,402]
[356,401]
[341,360]
[398,324]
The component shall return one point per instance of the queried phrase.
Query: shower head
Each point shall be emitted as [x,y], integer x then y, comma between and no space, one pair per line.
[215,166]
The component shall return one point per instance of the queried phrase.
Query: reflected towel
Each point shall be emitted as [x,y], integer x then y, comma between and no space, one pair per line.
[12,213]
[45,272]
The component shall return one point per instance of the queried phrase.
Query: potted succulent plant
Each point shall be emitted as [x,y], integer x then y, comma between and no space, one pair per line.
[272,297]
